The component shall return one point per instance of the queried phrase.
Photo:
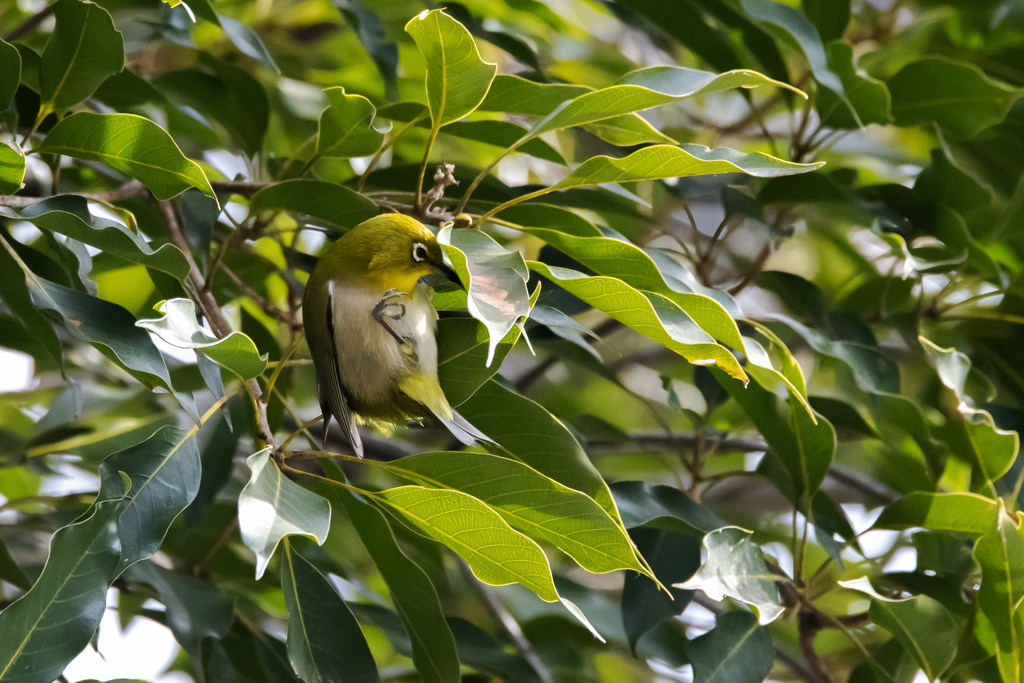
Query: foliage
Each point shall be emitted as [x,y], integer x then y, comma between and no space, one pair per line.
[741,309]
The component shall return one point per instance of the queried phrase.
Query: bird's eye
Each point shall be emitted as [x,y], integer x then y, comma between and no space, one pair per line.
[419,252]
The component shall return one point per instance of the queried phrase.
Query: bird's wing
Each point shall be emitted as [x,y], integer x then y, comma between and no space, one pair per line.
[332,399]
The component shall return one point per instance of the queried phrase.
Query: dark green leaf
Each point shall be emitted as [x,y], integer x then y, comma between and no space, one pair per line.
[83,50]
[1000,553]
[462,346]
[956,95]
[346,126]
[319,200]
[16,295]
[10,571]
[663,506]
[246,40]
[130,144]
[45,629]
[370,30]
[10,59]
[325,643]
[504,134]
[736,650]
[830,17]
[869,97]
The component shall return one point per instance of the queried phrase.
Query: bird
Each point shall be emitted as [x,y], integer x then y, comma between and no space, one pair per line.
[370,325]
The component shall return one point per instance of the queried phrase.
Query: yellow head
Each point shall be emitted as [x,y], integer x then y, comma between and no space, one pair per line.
[387,251]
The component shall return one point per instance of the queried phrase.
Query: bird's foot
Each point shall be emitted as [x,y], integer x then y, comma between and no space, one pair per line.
[388,310]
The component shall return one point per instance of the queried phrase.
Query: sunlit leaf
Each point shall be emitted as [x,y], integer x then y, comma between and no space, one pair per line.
[965,513]
[1000,553]
[12,169]
[272,506]
[346,128]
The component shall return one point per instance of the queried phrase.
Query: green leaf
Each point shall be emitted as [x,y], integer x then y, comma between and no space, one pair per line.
[497,554]
[15,292]
[12,169]
[734,567]
[927,629]
[271,506]
[869,97]
[830,17]
[546,446]
[316,199]
[956,95]
[622,260]
[963,513]
[432,643]
[538,506]
[674,558]
[803,31]
[457,77]
[48,626]
[10,571]
[369,29]
[504,134]
[179,327]
[494,278]
[804,447]
[643,89]
[130,144]
[517,95]
[82,51]
[643,504]
[624,131]
[462,348]
[346,126]
[325,643]
[242,36]
[651,314]
[69,215]
[229,95]
[736,650]
[165,474]
[195,609]
[1000,553]
[10,58]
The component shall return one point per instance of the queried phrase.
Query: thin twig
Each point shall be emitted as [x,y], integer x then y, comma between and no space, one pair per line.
[29,24]
[270,309]
[443,178]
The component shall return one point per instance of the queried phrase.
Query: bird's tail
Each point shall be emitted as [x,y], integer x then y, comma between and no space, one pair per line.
[465,432]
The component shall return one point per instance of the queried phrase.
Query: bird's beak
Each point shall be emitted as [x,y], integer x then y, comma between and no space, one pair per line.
[448,273]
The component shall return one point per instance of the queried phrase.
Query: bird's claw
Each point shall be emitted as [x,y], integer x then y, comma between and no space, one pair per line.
[383,316]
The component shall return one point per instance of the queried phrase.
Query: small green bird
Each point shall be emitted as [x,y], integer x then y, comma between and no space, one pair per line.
[370,325]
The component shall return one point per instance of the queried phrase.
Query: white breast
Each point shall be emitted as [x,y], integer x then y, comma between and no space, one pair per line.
[370,361]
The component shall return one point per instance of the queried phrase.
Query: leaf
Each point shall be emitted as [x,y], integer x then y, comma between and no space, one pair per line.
[69,215]
[494,278]
[646,88]
[483,652]
[736,650]
[130,144]
[316,199]
[734,567]
[830,17]
[674,558]
[462,347]
[546,446]
[433,646]
[805,449]
[10,571]
[963,513]
[622,260]
[179,327]
[803,31]
[369,29]
[927,629]
[229,95]
[504,134]
[517,95]
[1000,553]
[271,507]
[325,642]
[624,131]
[82,51]
[538,506]
[651,314]
[16,295]
[956,95]
[165,473]
[12,169]
[868,97]
[346,126]
[48,626]
[195,609]
[246,40]
[457,77]
[643,504]
[497,554]
[10,58]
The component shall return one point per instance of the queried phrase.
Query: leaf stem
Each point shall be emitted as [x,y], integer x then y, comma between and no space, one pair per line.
[483,174]
[423,164]
[384,148]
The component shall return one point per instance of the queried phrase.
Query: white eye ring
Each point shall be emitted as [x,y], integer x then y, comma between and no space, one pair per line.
[419,252]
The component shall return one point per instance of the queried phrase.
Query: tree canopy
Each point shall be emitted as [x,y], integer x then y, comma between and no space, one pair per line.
[741,284]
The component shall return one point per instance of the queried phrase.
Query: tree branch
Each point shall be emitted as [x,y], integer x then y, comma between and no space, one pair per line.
[29,24]
[133,188]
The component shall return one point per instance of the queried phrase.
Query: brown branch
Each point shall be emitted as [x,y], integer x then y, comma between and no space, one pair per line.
[810,624]
[211,310]
[133,188]
[270,309]
[754,271]
[29,24]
